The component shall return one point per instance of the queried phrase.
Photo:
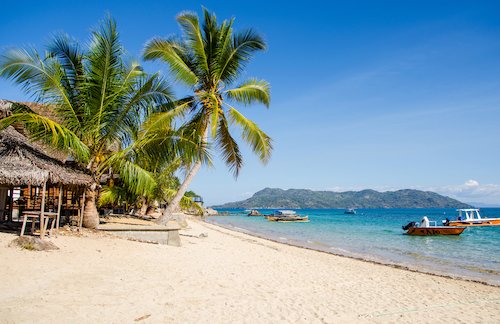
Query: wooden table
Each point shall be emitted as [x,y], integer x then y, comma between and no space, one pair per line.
[43,221]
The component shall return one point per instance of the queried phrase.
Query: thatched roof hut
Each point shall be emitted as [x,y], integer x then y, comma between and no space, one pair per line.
[23,163]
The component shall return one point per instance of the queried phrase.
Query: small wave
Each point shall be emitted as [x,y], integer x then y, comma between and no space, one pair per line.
[283,238]
[339,250]
[316,243]
[241,229]
[481,270]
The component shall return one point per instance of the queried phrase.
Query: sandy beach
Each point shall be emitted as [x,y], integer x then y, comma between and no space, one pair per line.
[226,277]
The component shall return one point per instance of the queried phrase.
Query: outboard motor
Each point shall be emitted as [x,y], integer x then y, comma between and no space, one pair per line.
[407,227]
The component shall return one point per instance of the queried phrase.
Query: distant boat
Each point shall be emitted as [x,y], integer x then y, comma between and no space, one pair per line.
[471,217]
[287,216]
[426,228]
[350,211]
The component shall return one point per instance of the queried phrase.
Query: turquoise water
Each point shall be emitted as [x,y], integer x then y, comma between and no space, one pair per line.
[376,234]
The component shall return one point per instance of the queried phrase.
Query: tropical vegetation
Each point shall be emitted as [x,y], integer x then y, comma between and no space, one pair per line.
[117,121]
[209,59]
[97,102]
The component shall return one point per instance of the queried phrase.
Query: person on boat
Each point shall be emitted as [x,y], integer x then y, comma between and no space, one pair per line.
[425,222]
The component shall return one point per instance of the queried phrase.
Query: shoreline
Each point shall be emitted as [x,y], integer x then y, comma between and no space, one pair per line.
[387,264]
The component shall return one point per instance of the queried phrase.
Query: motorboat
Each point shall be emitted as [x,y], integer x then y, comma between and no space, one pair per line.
[427,227]
[471,217]
[287,216]
[350,211]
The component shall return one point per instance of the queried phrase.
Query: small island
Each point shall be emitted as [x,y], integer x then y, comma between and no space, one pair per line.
[274,198]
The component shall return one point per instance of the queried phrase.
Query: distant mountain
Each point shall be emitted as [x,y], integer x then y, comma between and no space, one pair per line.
[303,198]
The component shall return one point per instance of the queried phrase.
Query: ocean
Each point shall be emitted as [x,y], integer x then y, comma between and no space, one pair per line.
[376,235]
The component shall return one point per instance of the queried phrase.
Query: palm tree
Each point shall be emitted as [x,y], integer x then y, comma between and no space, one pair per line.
[97,102]
[161,156]
[209,59]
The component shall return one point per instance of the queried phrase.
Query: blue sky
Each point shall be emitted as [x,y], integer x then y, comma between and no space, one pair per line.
[385,95]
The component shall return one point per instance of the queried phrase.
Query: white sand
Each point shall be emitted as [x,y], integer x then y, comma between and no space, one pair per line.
[227,277]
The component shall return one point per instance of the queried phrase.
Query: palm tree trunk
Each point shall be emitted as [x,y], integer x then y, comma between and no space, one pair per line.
[144,206]
[90,214]
[174,206]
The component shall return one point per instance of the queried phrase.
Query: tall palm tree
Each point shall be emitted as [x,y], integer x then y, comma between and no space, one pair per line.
[209,59]
[97,102]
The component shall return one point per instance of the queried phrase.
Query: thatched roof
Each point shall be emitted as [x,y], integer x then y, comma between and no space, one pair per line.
[22,162]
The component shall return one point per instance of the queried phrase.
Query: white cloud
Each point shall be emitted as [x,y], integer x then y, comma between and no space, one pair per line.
[471,184]
[472,191]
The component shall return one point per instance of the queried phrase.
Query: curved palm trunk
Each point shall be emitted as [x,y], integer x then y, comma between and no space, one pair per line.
[90,214]
[172,212]
[174,206]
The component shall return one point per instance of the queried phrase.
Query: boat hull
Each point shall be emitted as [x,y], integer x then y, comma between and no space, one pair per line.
[481,222]
[435,230]
[288,219]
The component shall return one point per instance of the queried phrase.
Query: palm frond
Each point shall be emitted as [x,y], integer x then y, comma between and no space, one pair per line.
[163,120]
[174,54]
[251,91]
[233,58]
[229,148]
[253,135]
[70,56]
[211,42]
[50,132]
[139,180]
[191,26]
[115,195]
[42,78]
[165,145]
[224,47]
[105,67]
[215,111]
[186,202]
[145,96]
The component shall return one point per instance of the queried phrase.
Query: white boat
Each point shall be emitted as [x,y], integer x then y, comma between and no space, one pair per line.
[285,212]
[471,217]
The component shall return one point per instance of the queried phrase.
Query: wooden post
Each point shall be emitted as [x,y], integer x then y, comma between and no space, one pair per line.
[42,211]
[3,203]
[59,204]
[11,205]
[28,203]
[81,215]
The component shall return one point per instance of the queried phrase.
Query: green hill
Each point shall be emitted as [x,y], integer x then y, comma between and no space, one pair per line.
[303,198]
